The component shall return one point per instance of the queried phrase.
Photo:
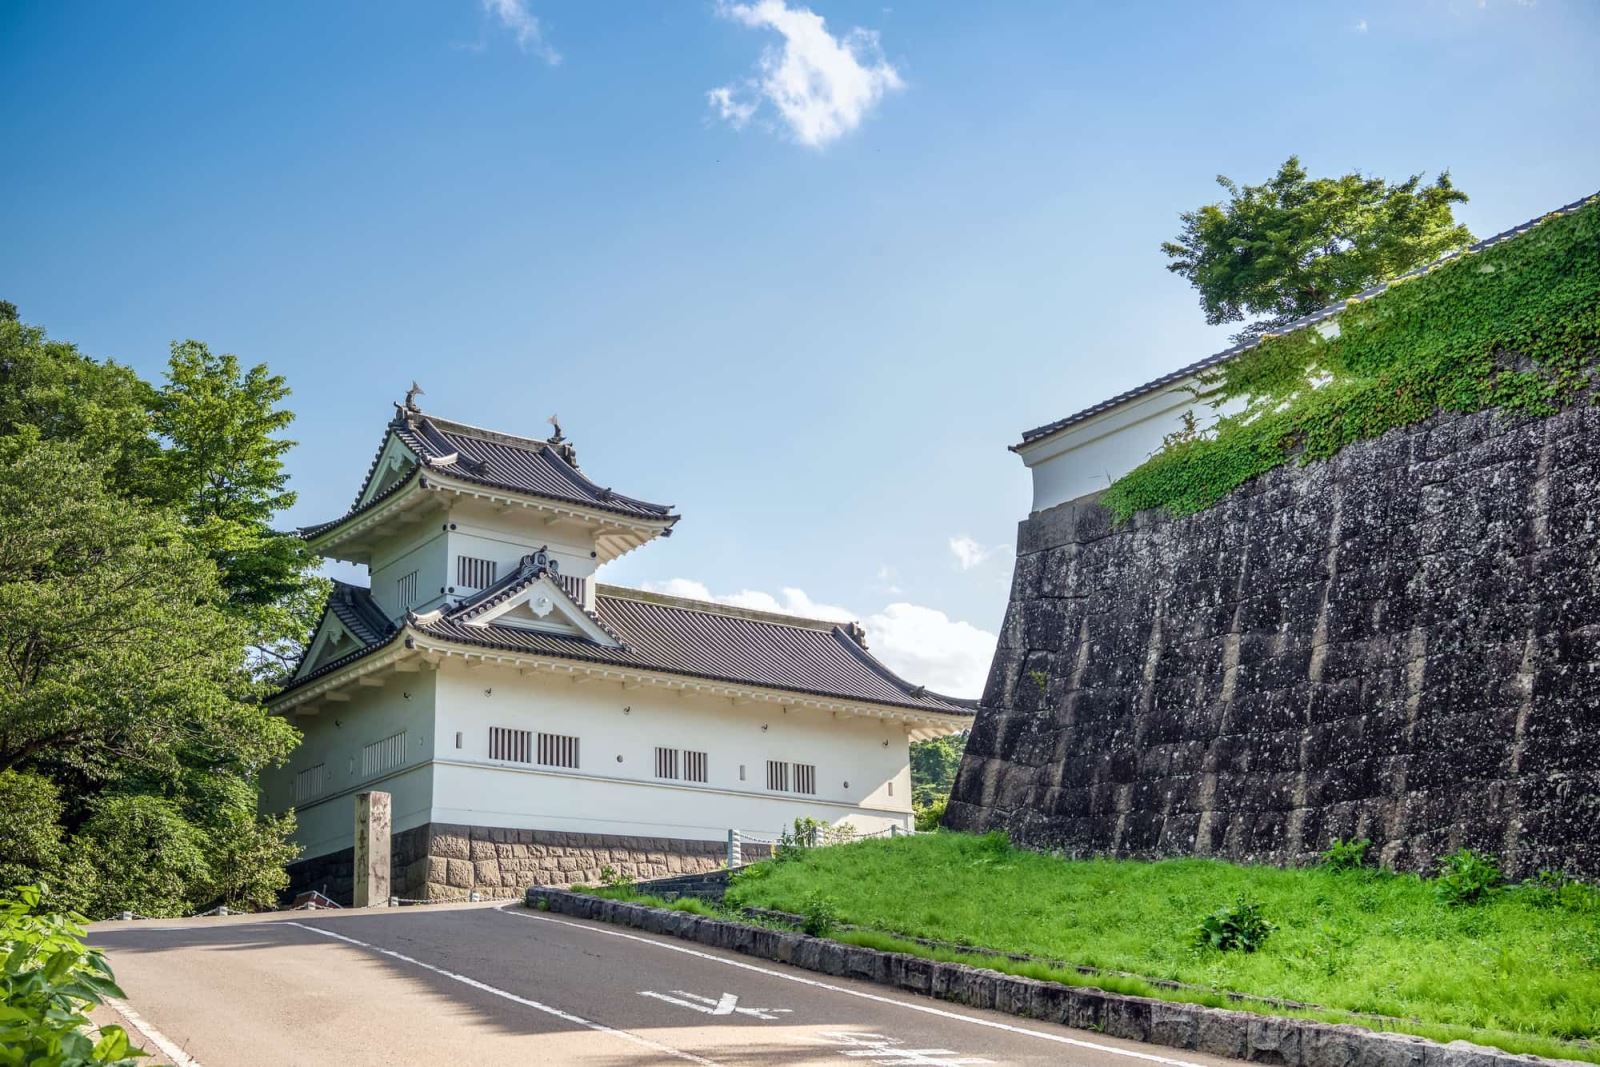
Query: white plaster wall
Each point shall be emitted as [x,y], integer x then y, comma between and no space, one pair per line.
[335,737]
[606,795]
[424,550]
[485,534]
[1088,457]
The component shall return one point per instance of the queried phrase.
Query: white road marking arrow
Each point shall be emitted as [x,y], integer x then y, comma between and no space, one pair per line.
[888,1050]
[727,1004]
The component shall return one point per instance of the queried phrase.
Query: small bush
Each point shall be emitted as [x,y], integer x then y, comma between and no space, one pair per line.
[1345,855]
[1467,877]
[819,915]
[1240,926]
[928,818]
[611,878]
[48,981]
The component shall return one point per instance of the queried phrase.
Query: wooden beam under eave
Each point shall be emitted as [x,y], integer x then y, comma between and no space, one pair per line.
[371,681]
[336,696]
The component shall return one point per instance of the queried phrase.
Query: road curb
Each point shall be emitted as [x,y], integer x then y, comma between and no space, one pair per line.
[1216,1031]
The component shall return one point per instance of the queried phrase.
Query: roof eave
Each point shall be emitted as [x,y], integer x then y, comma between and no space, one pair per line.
[425,641]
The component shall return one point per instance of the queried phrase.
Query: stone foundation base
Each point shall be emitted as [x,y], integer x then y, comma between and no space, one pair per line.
[442,861]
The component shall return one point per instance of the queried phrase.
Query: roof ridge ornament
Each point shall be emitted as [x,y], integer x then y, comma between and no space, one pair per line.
[411,396]
[563,447]
[857,633]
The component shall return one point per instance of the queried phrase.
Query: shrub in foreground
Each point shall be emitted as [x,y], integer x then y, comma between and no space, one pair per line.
[49,981]
[1467,877]
[1241,926]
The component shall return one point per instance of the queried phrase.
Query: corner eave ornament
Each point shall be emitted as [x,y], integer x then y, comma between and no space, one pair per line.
[411,396]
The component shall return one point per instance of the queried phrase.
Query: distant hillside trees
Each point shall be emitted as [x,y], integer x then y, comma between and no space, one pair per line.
[146,605]
[1294,244]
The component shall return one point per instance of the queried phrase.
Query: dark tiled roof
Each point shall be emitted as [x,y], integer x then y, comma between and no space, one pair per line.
[523,465]
[353,605]
[699,640]
[1331,310]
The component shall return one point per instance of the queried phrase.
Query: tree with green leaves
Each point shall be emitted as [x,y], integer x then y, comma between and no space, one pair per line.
[934,764]
[1295,244]
[146,605]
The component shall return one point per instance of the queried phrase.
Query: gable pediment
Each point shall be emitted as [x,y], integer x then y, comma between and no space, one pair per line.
[394,462]
[333,640]
[543,606]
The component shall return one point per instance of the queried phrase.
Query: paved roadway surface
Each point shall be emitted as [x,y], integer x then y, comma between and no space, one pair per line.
[502,984]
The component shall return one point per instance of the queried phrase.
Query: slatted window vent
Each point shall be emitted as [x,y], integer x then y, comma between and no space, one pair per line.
[385,755]
[558,750]
[474,573]
[573,587]
[666,763]
[694,766]
[802,776]
[777,776]
[310,783]
[406,590]
[513,746]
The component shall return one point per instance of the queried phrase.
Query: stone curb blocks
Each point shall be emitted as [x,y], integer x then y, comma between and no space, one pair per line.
[1217,1031]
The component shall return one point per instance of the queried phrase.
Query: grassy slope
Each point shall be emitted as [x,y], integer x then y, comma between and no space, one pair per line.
[1358,942]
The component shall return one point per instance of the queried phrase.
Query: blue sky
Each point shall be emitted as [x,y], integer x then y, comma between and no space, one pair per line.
[812,315]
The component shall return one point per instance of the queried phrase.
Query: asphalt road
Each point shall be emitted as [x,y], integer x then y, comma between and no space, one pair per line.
[503,984]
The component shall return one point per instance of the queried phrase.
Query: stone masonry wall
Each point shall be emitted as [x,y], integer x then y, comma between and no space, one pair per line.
[440,861]
[1401,643]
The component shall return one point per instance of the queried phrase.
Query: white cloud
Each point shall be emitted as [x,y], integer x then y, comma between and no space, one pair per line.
[731,109]
[1361,25]
[524,26]
[923,645]
[970,553]
[821,85]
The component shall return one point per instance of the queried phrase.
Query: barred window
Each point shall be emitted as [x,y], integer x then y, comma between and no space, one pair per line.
[694,766]
[383,755]
[310,783]
[405,589]
[558,750]
[805,778]
[777,776]
[513,746]
[474,573]
[666,763]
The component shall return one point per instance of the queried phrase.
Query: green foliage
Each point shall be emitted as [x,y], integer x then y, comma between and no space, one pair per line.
[1514,326]
[1295,244]
[137,573]
[818,915]
[1346,855]
[147,857]
[30,827]
[929,818]
[611,878]
[1509,972]
[1240,926]
[934,764]
[1467,877]
[48,981]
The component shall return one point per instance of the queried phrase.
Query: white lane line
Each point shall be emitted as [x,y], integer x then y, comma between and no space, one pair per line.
[643,1042]
[165,1044]
[926,1009]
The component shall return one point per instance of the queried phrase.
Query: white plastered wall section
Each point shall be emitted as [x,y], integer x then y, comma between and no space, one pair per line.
[335,738]
[425,551]
[482,534]
[607,796]
[1088,456]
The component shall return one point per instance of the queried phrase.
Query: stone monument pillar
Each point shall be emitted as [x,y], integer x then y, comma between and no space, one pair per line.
[371,866]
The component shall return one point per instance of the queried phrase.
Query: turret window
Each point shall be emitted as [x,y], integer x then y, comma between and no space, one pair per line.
[406,590]
[474,573]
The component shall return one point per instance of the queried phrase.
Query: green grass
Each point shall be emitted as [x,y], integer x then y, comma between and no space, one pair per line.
[1517,971]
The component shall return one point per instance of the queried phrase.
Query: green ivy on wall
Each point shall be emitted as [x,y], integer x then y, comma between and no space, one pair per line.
[1514,326]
